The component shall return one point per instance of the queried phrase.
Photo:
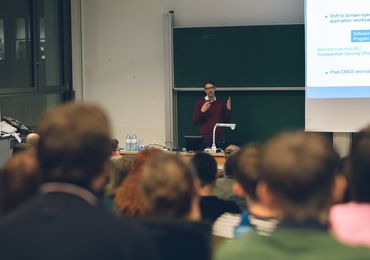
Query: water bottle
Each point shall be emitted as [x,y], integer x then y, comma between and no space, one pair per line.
[134,143]
[244,228]
[128,143]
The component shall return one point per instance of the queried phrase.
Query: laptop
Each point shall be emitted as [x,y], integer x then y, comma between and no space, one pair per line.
[193,143]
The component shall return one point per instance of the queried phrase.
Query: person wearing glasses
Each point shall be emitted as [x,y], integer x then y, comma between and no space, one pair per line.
[208,111]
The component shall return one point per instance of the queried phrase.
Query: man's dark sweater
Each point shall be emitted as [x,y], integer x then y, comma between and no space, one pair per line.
[217,113]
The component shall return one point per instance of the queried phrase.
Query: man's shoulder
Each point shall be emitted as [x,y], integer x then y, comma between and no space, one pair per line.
[37,222]
[240,249]
[72,213]
[317,244]
[297,244]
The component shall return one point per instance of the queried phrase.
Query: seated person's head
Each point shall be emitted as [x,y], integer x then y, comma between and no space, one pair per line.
[247,171]
[230,150]
[360,167]
[168,187]
[22,147]
[298,175]
[115,150]
[229,166]
[19,181]
[32,139]
[114,144]
[120,167]
[142,158]
[75,145]
[128,200]
[206,168]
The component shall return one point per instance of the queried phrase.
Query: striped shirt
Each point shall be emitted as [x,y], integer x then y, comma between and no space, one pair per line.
[224,225]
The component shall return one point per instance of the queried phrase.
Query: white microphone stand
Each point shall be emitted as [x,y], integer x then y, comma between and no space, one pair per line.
[214,148]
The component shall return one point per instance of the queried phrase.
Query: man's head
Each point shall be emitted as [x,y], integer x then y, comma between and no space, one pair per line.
[247,169]
[210,89]
[32,139]
[115,149]
[74,144]
[231,149]
[298,170]
[168,187]
[206,168]
[114,143]
[360,167]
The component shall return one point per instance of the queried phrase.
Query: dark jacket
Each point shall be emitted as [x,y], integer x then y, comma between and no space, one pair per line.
[63,226]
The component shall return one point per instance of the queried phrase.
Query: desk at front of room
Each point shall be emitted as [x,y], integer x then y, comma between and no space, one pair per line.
[219,157]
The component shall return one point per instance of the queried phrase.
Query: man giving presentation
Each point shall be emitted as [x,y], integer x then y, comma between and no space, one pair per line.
[210,110]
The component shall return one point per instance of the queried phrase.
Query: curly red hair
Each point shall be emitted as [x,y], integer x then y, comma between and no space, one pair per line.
[128,201]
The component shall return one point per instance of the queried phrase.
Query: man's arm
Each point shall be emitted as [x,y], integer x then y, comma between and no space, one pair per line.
[226,114]
[200,108]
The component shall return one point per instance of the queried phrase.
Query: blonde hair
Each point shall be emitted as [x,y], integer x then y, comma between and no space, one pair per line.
[167,186]
[120,167]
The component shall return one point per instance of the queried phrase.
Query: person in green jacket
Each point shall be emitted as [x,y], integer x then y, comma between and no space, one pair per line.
[298,178]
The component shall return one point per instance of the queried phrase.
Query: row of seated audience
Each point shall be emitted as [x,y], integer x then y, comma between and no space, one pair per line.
[72,196]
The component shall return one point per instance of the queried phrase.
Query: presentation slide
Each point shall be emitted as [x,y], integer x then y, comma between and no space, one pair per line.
[338,49]
[337,65]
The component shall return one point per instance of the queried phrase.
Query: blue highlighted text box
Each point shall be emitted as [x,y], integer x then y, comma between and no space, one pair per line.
[360,35]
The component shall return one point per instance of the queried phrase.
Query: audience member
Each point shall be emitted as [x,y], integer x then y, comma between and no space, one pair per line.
[343,170]
[247,171]
[30,144]
[19,181]
[170,189]
[120,167]
[349,222]
[211,207]
[32,139]
[64,221]
[230,150]
[128,200]
[297,179]
[115,150]
[22,147]
[223,187]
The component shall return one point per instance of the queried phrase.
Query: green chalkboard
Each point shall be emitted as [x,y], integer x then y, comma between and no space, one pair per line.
[257,114]
[240,56]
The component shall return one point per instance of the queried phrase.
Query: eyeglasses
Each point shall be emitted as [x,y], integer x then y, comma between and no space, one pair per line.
[209,88]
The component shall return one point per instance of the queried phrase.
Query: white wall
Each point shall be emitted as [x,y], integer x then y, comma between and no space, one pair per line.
[124,52]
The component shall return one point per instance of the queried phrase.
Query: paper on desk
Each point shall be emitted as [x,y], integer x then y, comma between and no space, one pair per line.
[8,130]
